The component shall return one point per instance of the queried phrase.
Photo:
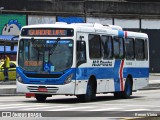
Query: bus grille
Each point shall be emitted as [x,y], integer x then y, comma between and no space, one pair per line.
[36,89]
[43,75]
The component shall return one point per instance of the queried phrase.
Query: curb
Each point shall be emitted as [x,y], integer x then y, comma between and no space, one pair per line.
[152,86]
[8,88]
[8,91]
[8,83]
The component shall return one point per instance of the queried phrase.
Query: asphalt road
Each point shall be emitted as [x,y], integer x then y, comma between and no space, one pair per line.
[141,104]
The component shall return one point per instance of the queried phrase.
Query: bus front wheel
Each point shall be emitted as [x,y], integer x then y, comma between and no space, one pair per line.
[40,97]
[90,93]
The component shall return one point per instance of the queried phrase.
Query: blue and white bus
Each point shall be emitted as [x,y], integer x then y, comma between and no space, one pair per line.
[81,59]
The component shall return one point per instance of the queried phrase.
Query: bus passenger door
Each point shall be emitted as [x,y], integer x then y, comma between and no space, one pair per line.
[118,44]
[81,71]
[117,75]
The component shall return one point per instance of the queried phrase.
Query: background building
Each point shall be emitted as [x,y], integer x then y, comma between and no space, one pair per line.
[135,15]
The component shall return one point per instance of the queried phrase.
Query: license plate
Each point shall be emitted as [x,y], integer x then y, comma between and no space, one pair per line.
[42,89]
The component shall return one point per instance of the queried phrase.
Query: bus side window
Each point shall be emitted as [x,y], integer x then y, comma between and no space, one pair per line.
[118,46]
[107,44]
[139,49]
[129,45]
[94,46]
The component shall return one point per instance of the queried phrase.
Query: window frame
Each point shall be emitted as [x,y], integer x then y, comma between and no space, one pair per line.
[146,48]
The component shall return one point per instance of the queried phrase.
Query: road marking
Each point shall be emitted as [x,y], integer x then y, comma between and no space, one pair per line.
[44,107]
[138,110]
[8,107]
[3,105]
[106,103]
[75,108]
[105,109]
[21,106]
[144,105]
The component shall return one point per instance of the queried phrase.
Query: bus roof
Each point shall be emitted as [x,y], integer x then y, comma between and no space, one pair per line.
[92,28]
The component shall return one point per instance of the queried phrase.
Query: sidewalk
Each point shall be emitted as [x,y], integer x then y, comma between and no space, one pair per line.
[9,88]
[154,82]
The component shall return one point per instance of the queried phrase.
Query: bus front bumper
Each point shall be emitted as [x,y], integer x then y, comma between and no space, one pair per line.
[66,89]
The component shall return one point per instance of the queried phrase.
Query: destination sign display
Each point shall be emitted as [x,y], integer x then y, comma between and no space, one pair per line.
[47,32]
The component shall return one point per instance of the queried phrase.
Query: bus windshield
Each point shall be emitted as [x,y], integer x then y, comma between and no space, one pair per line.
[45,55]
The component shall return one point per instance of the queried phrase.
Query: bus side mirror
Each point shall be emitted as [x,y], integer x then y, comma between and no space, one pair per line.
[81,52]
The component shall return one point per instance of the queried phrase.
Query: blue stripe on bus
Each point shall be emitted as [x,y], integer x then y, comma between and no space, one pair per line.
[85,73]
[107,73]
[116,75]
[120,33]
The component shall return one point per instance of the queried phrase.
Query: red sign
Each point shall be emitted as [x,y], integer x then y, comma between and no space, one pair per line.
[42,89]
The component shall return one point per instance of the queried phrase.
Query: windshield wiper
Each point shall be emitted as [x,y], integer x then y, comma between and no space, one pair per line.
[53,49]
[37,48]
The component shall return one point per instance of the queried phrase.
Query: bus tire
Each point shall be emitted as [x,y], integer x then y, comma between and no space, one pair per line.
[40,97]
[118,95]
[128,89]
[90,93]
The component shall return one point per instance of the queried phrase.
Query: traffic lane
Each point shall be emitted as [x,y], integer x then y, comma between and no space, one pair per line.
[104,106]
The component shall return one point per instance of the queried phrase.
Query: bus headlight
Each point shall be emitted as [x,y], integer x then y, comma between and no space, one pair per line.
[68,79]
[19,79]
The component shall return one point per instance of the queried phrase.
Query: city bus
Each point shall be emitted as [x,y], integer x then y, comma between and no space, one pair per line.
[81,59]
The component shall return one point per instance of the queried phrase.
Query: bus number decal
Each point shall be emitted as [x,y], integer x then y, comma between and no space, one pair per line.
[128,63]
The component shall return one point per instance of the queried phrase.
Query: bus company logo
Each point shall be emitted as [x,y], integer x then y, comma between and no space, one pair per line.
[6,114]
[101,63]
